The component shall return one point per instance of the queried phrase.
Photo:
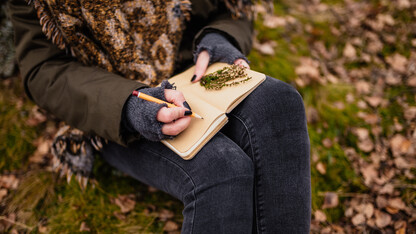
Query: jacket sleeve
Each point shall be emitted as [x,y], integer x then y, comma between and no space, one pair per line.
[238,31]
[87,98]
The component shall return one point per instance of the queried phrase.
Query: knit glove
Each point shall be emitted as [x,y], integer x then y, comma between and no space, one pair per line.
[140,115]
[219,49]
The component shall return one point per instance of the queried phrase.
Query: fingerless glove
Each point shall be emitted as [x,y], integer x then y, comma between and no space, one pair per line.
[140,115]
[219,49]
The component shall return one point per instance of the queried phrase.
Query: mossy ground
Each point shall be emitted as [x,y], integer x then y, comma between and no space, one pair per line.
[45,200]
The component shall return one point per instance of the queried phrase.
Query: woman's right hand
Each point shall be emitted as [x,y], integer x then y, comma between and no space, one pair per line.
[174,119]
[154,121]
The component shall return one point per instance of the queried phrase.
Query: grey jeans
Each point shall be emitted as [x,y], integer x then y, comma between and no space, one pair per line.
[252,177]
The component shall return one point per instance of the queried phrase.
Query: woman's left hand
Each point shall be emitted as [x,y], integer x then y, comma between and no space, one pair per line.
[203,61]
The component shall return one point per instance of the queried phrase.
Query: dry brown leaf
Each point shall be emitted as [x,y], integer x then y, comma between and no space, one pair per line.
[382,219]
[369,173]
[387,189]
[165,214]
[361,133]
[358,219]
[362,87]
[381,202]
[362,104]
[267,48]
[371,119]
[366,145]
[308,67]
[41,151]
[412,80]
[397,126]
[396,203]
[387,19]
[403,4]
[349,212]
[170,226]
[9,182]
[331,200]
[392,210]
[401,163]
[321,168]
[331,78]
[349,51]
[312,115]
[399,145]
[410,113]
[119,215]
[327,143]
[42,228]
[374,101]
[374,46]
[398,62]
[326,230]
[400,227]
[3,193]
[320,216]
[35,117]
[368,210]
[337,229]
[371,223]
[392,79]
[152,189]
[84,227]
[125,202]
[272,21]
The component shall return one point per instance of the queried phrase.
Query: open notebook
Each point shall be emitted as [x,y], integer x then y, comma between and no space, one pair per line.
[212,105]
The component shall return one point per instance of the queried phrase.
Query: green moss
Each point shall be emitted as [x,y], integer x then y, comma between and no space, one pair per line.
[16,136]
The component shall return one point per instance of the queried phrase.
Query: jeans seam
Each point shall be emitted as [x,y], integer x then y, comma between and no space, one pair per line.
[186,173]
[258,205]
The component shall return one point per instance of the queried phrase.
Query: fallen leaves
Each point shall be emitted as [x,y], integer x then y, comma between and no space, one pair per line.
[9,182]
[398,62]
[331,200]
[125,202]
[382,219]
[399,145]
[371,58]
[349,51]
[320,216]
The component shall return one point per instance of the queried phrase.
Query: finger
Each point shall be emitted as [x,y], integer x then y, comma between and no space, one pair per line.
[201,66]
[176,97]
[174,128]
[167,115]
[242,63]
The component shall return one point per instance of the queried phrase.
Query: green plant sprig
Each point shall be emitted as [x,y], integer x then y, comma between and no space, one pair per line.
[227,76]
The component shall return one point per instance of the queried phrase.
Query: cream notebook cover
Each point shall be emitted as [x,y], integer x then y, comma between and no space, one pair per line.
[212,105]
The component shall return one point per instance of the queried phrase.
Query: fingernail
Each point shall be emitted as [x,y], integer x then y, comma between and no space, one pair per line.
[188,113]
[193,78]
[185,104]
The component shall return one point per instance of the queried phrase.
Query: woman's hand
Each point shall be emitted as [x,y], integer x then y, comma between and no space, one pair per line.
[174,119]
[154,121]
[215,48]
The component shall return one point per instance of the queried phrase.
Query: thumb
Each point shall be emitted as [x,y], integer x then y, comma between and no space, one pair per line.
[201,66]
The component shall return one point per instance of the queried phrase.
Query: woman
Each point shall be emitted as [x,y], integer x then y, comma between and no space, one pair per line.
[252,177]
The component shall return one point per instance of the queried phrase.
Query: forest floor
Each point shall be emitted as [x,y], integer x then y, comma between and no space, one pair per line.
[354,63]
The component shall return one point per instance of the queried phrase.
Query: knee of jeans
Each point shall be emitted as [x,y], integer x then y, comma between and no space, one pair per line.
[225,161]
[278,97]
[225,168]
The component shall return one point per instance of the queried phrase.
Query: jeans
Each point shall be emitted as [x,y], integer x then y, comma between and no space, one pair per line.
[251,177]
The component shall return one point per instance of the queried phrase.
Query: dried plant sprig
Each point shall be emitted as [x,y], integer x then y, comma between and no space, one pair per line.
[227,76]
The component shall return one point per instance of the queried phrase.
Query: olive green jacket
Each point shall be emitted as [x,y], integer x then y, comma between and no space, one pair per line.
[91,98]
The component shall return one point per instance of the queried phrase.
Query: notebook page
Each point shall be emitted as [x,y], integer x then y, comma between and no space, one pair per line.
[197,128]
